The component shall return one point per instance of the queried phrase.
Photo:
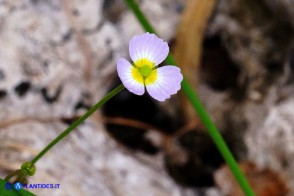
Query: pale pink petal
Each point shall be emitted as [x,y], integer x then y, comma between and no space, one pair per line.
[168,82]
[124,69]
[148,46]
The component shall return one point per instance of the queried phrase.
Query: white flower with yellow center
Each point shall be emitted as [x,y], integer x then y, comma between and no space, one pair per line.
[147,51]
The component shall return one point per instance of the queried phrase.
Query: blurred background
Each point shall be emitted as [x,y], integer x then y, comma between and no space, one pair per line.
[57,58]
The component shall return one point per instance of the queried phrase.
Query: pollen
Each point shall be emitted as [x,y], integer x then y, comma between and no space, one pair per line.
[137,75]
[144,62]
[152,77]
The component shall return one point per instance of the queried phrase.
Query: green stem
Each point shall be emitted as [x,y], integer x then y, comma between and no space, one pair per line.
[140,16]
[78,122]
[217,138]
[199,108]
[17,172]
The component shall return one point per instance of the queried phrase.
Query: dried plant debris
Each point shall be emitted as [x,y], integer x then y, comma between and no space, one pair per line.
[187,48]
[188,41]
[265,182]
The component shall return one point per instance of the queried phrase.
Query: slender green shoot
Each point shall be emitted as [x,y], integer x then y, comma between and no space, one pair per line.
[78,122]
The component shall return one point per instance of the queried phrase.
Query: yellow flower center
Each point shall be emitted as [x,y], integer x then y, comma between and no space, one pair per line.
[144,72]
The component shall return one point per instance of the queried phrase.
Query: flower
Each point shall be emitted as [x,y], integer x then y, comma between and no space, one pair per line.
[147,51]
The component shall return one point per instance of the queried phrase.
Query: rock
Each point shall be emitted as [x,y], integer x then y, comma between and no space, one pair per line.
[55,56]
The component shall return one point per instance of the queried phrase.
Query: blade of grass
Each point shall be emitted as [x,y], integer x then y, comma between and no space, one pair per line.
[199,108]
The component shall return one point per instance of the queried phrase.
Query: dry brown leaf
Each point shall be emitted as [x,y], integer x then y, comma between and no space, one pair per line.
[188,43]
[264,182]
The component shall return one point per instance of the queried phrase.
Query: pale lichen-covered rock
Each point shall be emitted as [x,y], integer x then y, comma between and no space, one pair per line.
[272,145]
[54,55]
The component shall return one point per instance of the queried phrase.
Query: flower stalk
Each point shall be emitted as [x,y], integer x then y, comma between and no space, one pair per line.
[78,122]
[199,108]
[28,168]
